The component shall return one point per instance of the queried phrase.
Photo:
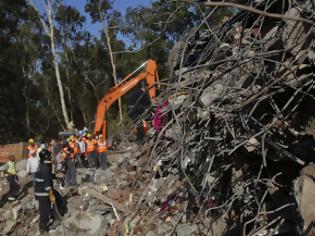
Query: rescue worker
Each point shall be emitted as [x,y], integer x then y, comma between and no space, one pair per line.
[102,152]
[10,169]
[32,147]
[53,148]
[31,166]
[91,151]
[83,145]
[43,189]
[69,163]
[76,150]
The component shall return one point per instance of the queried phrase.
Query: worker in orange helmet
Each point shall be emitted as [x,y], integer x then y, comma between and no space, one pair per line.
[73,144]
[32,147]
[91,151]
[102,152]
[33,159]
[69,164]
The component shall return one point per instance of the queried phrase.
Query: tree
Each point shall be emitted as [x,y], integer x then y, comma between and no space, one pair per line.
[15,60]
[101,10]
[48,24]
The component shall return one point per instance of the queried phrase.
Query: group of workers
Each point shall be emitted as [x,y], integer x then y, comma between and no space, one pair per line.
[85,150]
[59,158]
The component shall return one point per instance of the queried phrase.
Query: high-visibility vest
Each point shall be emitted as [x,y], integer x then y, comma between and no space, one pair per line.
[101,146]
[90,145]
[11,168]
[75,147]
[31,150]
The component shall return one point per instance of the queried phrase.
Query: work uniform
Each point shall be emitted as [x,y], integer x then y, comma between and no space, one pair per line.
[32,165]
[91,153]
[53,148]
[11,178]
[32,150]
[69,162]
[102,155]
[76,151]
[43,184]
[82,145]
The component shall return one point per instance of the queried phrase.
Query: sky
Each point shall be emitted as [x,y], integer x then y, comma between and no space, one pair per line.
[120,5]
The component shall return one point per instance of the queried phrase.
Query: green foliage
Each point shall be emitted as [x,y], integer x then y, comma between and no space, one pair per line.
[29,98]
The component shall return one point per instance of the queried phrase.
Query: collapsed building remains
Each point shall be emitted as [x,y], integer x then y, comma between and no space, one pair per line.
[235,154]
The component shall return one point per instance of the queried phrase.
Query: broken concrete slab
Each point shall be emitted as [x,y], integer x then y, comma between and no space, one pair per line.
[211,93]
[8,227]
[85,223]
[296,35]
[305,195]
[103,198]
[186,229]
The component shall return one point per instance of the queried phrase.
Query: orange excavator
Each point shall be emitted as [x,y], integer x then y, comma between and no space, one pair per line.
[150,76]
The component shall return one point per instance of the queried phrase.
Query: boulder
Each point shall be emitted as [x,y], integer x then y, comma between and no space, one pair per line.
[85,223]
[305,195]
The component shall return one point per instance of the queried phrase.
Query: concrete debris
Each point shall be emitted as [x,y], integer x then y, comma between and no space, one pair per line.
[305,195]
[85,223]
[8,227]
[235,134]
[234,155]
[210,94]
[186,229]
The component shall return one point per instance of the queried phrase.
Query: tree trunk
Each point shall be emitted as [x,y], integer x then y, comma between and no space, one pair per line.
[27,110]
[60,88]
[49,30]
[69,124]
[113,67]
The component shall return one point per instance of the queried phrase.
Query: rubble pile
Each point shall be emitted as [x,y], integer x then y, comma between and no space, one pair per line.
[238,132]
[235,153]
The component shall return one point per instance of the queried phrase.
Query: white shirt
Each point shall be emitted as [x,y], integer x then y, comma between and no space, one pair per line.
[82,146]
[32,164]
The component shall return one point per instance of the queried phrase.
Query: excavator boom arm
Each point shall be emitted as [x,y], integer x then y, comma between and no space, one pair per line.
[151,77]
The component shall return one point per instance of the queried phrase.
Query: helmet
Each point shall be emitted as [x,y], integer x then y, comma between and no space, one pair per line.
[31,141]
[45,156]
[71,137]
[89,135]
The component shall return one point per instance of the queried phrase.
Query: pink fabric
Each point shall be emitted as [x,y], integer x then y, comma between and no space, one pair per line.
[159,119]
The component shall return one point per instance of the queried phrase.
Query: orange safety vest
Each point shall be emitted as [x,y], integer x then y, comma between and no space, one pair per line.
[90,145]
[145,127]
[75,147]
[31,150]
[101,146]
